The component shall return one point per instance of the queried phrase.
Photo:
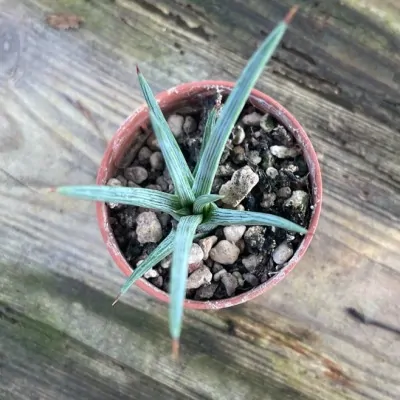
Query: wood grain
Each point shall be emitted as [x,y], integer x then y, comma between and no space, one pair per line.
[63,94]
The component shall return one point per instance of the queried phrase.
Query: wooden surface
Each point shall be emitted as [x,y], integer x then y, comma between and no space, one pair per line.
[64,93]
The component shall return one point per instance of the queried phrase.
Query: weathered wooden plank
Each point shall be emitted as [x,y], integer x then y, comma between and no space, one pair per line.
[48,138]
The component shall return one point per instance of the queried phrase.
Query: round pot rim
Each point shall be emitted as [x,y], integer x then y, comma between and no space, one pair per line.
[261,101]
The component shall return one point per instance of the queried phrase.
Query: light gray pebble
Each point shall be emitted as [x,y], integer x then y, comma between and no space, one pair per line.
[201,276]
[136,174]
[239,278]
[252,261]
[148,228]
[252,279]
[175,123]
[190,124]
[238,135]
[240,185]
[285,152]
[230,283]
[219,275]
[272,172]
[282,253]
[252,119]
[268,200]
[196,254]
[157,161]
[144,155]
[234,233]
[224,252]
[206,292]
[284,192]
[206,245]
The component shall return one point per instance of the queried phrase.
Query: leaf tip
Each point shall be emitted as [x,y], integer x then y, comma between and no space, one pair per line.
[175,349]
[116,300]
[291,14]
[137,69]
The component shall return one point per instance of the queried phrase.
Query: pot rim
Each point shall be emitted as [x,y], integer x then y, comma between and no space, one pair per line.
[139,118]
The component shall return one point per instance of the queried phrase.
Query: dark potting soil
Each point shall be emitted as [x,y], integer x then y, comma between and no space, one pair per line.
[283,189]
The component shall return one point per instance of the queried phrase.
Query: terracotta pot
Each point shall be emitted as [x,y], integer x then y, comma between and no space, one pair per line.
[191,94]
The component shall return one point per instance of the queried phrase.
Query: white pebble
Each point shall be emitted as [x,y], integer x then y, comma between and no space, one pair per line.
[224,252]
[234,233]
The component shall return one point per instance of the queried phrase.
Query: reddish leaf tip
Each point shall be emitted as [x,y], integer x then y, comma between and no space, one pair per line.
[116,300]
[137,69]
[50,190]
[291,14]
[175,349]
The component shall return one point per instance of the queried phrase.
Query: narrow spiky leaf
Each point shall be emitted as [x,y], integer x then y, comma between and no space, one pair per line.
[163,250]
[202,201]
[172,157]
[208,129]
[222,216]
[169,142]
[139,197]
[233,107]
[179,269]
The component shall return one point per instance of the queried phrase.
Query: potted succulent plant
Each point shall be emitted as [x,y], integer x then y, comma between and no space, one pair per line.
[236,205]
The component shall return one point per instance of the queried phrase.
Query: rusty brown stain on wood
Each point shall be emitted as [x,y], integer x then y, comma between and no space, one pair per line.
[64,21]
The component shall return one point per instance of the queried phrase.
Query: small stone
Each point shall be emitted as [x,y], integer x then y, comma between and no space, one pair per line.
[152,143]
[255,238]
[160,181]
[234,233]
[230,283]
[175,123]
[224,252]
[252,279]
[133,184]
[239,278]
[252,119]
[272,172]
[151,273]
[114,182]
[219,275]
[154,187]
[195,266]
[267,123]
[190,125]
[252,261]
[268,160]
[225,170]
[298,202]
[157,161]
[238,154]
[200,277]
[240,207]
[148,228]
[238,135]
[136,174]
[284,192]
[254,157]
[285,152]
[241,184]
[158,281]
[166,262]
[282,136]
[206,245]
[196,254]
[216,268]
[122,179]
[268,200]
[206,292]
[282,253]
[164,219]
[144,155]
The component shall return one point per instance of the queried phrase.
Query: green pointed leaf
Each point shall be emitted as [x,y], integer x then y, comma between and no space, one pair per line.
[167,141]
[208,129]
[139,197]
[202,201]
[173,159]
[163,250]
[225,217]
[179,269]
[232,109]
